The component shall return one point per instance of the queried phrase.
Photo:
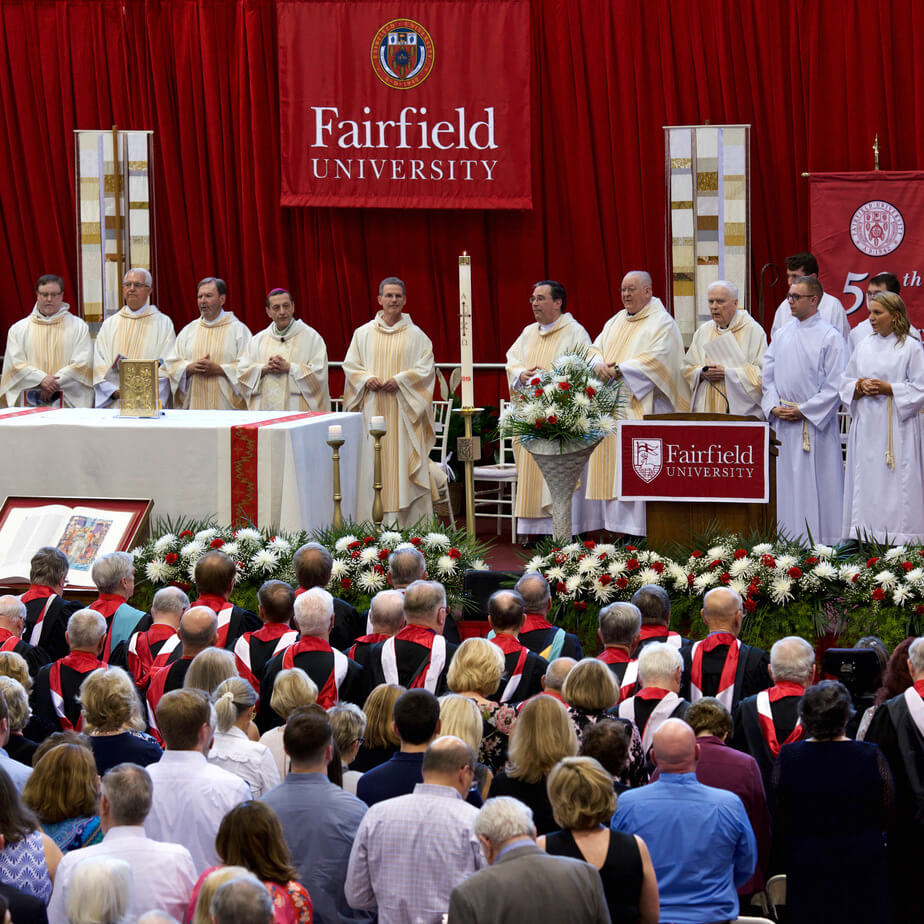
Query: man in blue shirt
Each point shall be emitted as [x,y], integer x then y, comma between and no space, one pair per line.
[700,839]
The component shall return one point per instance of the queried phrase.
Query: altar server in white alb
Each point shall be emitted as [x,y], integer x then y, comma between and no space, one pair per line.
[284,368]
[642,346]
[389,372]
[881,282]
[204,363]
[49,354]
[725,361]
[137,331]
[798,266]
[802,370]
[883,387]
[554,333]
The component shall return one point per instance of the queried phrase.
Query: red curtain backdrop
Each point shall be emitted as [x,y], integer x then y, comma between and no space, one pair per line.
[816,80]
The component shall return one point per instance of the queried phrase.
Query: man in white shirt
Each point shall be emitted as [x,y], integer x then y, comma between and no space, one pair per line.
[831,310]
[190,795]
[163,874]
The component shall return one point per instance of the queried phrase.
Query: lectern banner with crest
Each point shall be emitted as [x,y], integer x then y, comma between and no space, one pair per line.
[868,223]
[418,105]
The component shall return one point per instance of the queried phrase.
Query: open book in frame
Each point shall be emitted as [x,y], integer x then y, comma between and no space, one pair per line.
[138,394]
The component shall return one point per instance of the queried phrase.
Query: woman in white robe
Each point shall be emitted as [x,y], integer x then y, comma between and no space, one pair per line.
[883,386]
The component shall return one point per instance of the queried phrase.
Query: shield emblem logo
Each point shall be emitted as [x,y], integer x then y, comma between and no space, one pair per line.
[403,53]
[646,459]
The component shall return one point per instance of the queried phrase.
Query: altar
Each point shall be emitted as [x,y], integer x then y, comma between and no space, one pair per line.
[271,468]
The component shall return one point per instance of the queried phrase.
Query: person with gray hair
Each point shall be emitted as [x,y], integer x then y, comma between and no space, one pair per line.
[164,874]
[389,372]
[47,612]
[769,719]
[554,678]
[148,332]
[419,650]
[114,576]
[406,565]
[522,882]
[313,565]
[12,624]
[386,618]
[724,364]
[55,694]
[242,900]
[336,676]
[538,634]
[100,891]
[654,603]
[660,667]
[203,366]
[159,645]
[619,627]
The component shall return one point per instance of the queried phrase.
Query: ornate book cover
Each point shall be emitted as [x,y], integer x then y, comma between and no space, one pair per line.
[138,395]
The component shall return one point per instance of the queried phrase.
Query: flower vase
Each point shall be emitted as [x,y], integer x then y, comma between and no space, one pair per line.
[561,465]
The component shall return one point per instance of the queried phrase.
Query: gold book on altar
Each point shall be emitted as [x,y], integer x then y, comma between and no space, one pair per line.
[138,388]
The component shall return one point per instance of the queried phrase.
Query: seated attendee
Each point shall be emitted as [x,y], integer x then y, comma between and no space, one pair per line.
[347,723]
[112,719]
[47,612]
[159,644]
[100,891]
[700,839]
[114,577]
[63,791]
[319,819]
[619,627]
[660,667]
[607,742]
[215,576]
[209,670]
[191,796]
[54,698]
[590,694]
[522,883]
[313,565]
[543,735]
[537,633]
[163,873]
[386,618]
[769,719]
[254,649]
[18,746]
[12,624]
[461,718]
[583,802]
[654,604]
[242,900]
[388,870]
[291,689]
[476,671]
[381,739]
[725,768]
[334,674]
[523,669]
[28,856]
[234,702]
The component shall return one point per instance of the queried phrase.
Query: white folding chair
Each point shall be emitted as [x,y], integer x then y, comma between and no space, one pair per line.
[776,893]
[441,412]
[497,479]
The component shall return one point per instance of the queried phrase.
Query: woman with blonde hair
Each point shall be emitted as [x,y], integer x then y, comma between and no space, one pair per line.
[475,672]
[19,747]
[591,694]
[542,736]
[291,689]
[210,668]
[583,802]
[208,886]
[380,739]
[461,717]
[63,790]
[234,702]
[112,719]
[347,724]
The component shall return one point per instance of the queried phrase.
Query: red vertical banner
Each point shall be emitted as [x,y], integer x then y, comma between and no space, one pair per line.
[868,223]
[426,105]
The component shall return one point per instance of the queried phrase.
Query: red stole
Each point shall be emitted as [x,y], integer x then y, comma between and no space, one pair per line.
[327,696]
[222,610]
[662,632]
[509,645]
[8,641]
[534,622]
[38,592]
[652,693]
[424,678]
[365,640]
[142,661]
[765,716]
[614,656]
[919,687]
[301,590]
[272,631]
[107,604]
[83,663]
[726,689]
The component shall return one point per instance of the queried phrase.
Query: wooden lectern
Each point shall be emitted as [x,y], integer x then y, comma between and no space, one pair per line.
[679,522]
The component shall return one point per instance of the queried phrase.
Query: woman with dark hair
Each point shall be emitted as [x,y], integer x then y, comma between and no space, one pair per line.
[833,801]
[896,678]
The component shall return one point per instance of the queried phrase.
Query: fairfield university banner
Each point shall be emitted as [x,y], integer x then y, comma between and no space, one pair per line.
[868,223]
[682,460]
[411,105]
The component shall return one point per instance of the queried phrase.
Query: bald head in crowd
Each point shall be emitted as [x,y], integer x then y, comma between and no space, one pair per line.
[449,761]
[86,631]
[534,589]
[674,747]
[312,564]
[198,630]
[425,605]
[555,674]
[506,612]
[722,610]
[386,612]
[12,614]
[215,574]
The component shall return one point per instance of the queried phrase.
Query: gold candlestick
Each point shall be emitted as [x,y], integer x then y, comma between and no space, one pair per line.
[468,449]
[338,515]
[377,511]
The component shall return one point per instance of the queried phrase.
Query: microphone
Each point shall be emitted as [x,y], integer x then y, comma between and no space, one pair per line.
[716,388]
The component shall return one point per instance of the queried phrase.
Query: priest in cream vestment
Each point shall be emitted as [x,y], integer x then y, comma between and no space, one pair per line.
[723,365]
[203,366]
[642,346]
[554,333]
[137,331]
[49,354]
[389,372]
[284,368]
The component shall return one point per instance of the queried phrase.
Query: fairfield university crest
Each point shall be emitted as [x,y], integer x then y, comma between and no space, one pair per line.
[646,458]
[402,54]
[877,228]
